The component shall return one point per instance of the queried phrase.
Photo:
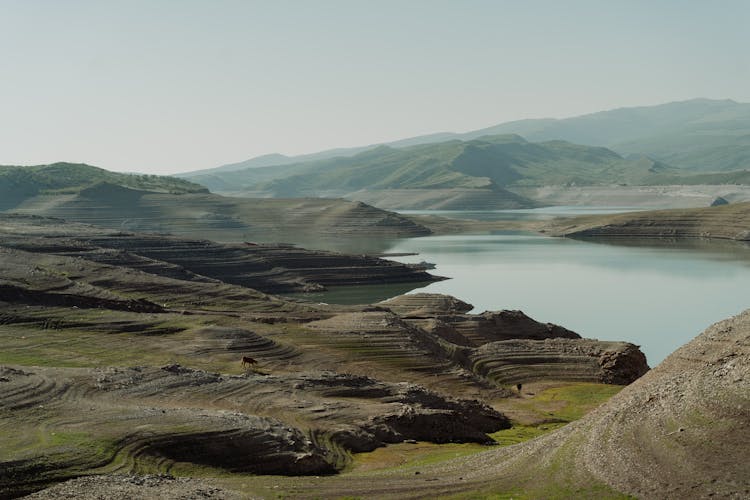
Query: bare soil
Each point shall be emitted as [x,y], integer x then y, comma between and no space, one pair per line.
[131,372]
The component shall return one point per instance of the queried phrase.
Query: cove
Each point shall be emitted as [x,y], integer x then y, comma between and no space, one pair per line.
[656,294]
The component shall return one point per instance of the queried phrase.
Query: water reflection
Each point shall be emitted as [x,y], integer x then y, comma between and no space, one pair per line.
[657,293]
[653,293]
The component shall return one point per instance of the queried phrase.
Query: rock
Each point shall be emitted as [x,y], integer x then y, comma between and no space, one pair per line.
[426,304]
[513,361]
[719,201]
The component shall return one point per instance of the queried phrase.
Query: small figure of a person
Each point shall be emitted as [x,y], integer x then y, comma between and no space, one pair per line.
[518,386]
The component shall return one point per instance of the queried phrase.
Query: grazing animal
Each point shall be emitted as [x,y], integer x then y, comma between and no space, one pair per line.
[248,361]
[518,386]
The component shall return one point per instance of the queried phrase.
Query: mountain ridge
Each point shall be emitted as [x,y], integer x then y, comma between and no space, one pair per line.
[537,129]
[489,164]
[18,183]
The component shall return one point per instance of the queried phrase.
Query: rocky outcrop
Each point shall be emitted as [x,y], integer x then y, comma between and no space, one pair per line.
[502,347]
[719,201]
[304,423]
[444,316]
[513,361]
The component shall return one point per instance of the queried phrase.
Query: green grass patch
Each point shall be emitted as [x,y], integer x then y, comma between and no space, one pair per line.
[520,433]
[402,455]
[569,402]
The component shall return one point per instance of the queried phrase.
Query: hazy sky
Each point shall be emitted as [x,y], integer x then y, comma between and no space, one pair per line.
[171,86]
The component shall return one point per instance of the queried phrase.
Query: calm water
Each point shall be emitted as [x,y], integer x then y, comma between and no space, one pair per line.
[545,213]
[656,295]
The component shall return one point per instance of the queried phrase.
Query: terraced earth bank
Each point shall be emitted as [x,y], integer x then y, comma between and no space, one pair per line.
[269,268]
[728,222]
[680,431]
[220,218]
[121,355]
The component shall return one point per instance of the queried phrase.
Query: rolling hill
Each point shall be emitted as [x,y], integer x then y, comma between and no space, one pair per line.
[83,193]
[726,222]
[20,183]
[698,134]
[453,174]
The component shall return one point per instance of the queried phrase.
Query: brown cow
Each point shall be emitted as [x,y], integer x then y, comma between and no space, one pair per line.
[248,361]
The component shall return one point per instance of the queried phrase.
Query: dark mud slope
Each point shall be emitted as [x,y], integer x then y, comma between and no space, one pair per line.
[730,222]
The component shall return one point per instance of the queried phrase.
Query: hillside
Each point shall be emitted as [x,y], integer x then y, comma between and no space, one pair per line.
[165,204]
[418,176]
[730,222]
[123,377]
[123,353]
[680,431]
[20,183]
[698,134]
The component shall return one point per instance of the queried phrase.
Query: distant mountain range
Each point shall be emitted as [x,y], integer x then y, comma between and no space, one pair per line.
[700,134]
[488,162]
[689,142]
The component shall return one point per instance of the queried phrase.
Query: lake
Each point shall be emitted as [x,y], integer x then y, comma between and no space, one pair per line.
[656,294]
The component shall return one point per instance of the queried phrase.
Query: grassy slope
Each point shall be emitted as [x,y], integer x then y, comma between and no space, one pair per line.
[699,134]
[489,162]
[166,204]
[20,183]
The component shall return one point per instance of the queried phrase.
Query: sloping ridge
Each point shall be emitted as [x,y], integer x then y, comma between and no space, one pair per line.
[730,222]
[675,130]
[426,176]
[682,430]
[221,218]
[18,184]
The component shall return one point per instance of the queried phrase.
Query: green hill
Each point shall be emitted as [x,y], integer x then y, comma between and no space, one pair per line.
[483,167]
[82,193]
[699,134]
[21,183]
